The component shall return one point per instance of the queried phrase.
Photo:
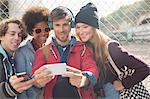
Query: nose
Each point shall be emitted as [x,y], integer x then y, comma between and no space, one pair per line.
[62,28]
[43,32]
[17,36]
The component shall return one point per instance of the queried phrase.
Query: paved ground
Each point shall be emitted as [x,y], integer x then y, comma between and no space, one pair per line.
[142,50]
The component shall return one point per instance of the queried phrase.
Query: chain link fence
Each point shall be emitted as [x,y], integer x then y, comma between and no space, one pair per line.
[126,23]
[129,23]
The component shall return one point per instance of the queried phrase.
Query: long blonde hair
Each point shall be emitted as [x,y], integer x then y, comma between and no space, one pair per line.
[99,41]
[97,45]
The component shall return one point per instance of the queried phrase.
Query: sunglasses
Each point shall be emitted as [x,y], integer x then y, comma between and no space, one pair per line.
[47,29]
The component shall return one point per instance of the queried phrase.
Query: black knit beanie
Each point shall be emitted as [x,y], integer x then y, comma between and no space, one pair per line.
[88,15]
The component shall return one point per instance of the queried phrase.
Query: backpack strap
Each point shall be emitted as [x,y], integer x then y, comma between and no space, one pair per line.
[46,52]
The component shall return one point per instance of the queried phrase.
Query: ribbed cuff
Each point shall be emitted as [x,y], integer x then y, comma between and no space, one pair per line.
[16,92]
[90,76]
[9,90]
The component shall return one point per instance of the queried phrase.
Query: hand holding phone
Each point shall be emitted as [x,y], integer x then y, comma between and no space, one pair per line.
[25,75]
[20,83]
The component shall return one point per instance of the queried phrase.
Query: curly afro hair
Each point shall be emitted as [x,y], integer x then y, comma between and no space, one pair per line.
[33,16]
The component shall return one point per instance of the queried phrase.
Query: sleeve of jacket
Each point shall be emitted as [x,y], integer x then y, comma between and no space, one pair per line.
[39,60]
[6,91]
[21,67]
[122,58]
[88,63]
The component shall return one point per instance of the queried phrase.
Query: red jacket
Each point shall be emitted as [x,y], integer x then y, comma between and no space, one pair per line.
[80,57]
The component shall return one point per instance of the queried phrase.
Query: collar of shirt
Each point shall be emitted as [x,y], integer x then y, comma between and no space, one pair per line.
[10,57]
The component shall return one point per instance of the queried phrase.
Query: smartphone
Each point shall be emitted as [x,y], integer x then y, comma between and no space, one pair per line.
[25,75]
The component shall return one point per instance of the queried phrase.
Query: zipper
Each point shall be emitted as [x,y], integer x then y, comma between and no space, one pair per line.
[79,93]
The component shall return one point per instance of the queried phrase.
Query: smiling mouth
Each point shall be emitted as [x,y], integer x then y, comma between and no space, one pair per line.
[82,36]
[16,44]
[63,33]
[43,37]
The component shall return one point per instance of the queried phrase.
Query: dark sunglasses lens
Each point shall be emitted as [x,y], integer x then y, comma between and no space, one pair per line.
[38,30]
[47,29]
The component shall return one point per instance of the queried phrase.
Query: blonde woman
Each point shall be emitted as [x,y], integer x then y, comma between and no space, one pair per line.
[87,30]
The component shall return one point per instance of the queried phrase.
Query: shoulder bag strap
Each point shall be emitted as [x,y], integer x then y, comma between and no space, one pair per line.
[119,73]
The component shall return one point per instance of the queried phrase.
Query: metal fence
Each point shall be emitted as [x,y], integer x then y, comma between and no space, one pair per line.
[129,22]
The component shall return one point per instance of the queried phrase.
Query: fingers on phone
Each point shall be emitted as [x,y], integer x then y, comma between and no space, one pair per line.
[72,69]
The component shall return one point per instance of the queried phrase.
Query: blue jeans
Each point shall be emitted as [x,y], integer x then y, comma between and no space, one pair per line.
[110,92]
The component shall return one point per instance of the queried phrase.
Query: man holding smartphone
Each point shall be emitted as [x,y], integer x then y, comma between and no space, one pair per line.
[12,33]
[25,75]
[65,48]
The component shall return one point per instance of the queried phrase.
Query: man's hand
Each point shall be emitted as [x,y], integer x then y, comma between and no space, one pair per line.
[118,85]
[42,76]
[75,77]
[19,84]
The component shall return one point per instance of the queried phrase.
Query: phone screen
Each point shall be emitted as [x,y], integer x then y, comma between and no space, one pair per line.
[25,75]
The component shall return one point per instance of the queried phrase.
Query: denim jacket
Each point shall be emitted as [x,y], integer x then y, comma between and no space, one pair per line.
[24,61]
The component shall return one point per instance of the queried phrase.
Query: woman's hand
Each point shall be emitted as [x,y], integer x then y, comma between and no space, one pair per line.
[118,85]
[75,77]
[19,84]
[42,76]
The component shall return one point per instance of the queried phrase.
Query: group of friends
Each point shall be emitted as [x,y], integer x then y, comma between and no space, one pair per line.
[88,68]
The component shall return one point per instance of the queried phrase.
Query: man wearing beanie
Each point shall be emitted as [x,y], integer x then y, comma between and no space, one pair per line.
[88,14]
